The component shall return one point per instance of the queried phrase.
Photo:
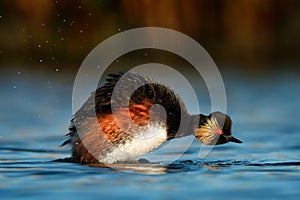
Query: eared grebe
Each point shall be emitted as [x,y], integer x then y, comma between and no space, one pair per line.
[120,144]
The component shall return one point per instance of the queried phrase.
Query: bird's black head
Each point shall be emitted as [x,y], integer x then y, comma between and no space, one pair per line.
[215,129]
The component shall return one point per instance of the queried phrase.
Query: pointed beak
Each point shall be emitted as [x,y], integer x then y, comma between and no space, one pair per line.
[233,139]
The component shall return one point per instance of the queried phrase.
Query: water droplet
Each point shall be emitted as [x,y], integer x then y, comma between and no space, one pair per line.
[39,46]
[41,60]
[43,24]
[146,54]
[79,7]
[90,14]
[98,67]
[47,41]
[56,69]
[117,61]
[19,73]
[119,29]
[53,58]
[49,85]
[81,31]
[64,20]
[30,36]
[62,38]
[14,87]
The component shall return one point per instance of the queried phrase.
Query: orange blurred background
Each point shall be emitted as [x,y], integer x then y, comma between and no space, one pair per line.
[253,34]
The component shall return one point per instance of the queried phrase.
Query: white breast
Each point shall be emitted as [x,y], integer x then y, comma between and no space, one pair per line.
[148,138]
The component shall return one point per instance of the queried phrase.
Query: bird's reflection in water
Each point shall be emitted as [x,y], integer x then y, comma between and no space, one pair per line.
[156,168]
[134,168]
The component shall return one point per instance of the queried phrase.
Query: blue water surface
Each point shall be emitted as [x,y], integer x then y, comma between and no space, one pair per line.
[35,112]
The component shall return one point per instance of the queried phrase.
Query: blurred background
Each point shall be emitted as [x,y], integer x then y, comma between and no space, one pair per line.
[247,34]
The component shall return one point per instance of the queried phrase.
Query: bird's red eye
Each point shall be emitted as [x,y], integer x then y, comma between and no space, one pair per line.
[219,131]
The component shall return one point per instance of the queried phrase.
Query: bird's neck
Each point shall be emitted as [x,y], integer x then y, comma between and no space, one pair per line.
[188,125]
